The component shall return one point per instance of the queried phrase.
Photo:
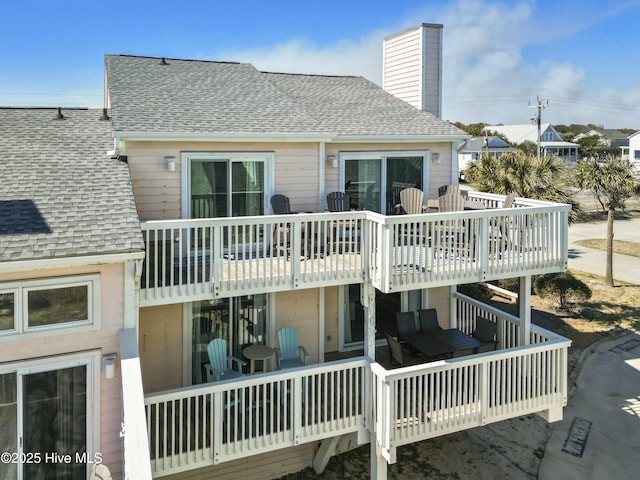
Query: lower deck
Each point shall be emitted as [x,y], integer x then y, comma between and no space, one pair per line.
[350,395]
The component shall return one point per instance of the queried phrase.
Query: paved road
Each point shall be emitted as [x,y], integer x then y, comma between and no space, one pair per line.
[625,268]
[599,437]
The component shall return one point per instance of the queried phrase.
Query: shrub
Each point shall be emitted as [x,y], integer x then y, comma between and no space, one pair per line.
[563,288]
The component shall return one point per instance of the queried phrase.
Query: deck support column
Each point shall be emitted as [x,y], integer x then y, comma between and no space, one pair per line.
[524,307]
[378,468]
[368,300]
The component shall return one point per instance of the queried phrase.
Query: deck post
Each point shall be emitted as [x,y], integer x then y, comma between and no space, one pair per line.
[368,299]
[524,307]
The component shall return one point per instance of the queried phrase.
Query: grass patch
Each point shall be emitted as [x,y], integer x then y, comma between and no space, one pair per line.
[619,246]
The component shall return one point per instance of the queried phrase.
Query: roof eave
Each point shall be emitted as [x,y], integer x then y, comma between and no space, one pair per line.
[72,261]
[283,137]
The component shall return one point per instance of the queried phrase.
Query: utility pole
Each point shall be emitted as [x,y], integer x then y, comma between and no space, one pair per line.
[540,105]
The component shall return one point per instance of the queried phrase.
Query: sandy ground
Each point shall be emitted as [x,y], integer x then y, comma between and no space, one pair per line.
[509,450]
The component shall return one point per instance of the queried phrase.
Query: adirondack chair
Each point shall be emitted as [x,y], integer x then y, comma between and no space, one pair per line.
[220,366]
[411,201]
[289,354]
[280,205]
[338,202]
[451,201]
[342,234]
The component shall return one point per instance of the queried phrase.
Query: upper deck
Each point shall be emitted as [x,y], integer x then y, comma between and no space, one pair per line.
[190,260]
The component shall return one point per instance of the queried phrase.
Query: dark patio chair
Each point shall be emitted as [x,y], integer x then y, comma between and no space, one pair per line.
[400,356]
[428,320]
[338,202]
[280,205]
[406,323]
[485,332]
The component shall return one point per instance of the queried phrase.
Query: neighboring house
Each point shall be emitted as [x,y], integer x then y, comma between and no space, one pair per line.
[207,145]
[633,153]
[551,143]
[606,137]
[476,147]
[69,242]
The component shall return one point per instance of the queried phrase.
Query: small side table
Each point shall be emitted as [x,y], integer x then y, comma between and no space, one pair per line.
[258,352]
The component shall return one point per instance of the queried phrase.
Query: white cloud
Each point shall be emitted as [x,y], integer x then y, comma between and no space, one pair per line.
[486,76]
[361,57]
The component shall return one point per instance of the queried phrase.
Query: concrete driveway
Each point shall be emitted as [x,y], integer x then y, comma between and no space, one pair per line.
[625,268]
[599,437]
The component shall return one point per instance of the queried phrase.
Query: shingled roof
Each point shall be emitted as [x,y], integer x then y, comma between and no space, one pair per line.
[60,194]
[156,95]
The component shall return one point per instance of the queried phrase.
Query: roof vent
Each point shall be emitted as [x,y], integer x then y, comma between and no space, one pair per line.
[104,115]
[59,116]
[163,62]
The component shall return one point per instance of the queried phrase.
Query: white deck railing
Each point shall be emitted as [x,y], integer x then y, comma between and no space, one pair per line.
[188,260]
[420,402]
[207,424]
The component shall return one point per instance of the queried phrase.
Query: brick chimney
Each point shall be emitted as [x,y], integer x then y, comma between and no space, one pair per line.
[412,66]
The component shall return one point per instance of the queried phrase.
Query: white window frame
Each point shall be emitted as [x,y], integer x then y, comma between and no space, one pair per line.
[21,289]
[269,173]
[383,156]
[91,360]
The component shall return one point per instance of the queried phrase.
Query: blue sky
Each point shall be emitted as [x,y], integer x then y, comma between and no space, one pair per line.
[498,55]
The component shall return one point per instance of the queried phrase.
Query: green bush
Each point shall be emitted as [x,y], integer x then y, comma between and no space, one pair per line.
[563,288]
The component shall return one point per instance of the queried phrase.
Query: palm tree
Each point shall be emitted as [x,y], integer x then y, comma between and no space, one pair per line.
[612,182]
[522,174]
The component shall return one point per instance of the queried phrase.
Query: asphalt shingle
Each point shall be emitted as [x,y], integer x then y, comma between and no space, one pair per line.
[60,194]
[192,96]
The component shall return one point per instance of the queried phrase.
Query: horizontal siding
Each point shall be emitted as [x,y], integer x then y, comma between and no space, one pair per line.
[161,347]
[158,191]
[106,339]
[402,66]
[299,309]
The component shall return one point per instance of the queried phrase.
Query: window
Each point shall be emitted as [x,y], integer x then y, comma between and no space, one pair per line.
[241,321]
[31,306]
[45,409]
[226,184]
[374,180]
[636,154]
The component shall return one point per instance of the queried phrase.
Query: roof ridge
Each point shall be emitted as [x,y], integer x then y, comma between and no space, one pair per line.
[151,57]
[310,74]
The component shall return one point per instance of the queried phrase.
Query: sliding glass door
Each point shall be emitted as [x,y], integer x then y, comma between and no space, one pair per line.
[226,187]
[44,412]
[241,321]
[374,181]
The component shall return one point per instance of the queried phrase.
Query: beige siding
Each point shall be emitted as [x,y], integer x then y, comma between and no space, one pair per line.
[402,66]
[299,309]
[331,318]
[412,66]
[158,191]
[264,467]
[161,347]
[296,171]
[106,339]
[439,299]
